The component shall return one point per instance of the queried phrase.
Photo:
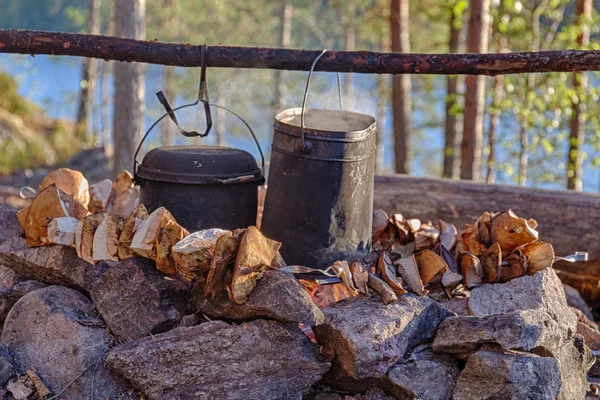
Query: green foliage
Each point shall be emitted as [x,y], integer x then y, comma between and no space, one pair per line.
[10,99]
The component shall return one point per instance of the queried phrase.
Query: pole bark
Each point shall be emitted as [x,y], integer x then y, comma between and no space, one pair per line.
[129,106]
[88,77]
[577,134]
[285,38]
[401,87]
[472,140]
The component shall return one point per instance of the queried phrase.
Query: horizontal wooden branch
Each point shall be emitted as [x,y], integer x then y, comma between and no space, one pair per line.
[566,219]
[187,55]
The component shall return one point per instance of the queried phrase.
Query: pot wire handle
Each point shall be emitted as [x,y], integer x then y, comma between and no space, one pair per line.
[305,147]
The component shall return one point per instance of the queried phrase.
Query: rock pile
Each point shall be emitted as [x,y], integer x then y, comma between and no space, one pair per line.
[124,330]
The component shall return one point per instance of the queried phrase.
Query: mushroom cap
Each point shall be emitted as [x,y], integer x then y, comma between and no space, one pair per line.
[69,181]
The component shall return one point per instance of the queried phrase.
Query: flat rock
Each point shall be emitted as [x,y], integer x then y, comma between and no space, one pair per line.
[425,376]
[456,305]
[54,264]
[9,296]
[276,296]
[135,299]
[255,360]
[8,277]
[518,330]
[56,332]
[10,225]
[368,337]
[574,299]
[543,291]
[7,368]
[508,375]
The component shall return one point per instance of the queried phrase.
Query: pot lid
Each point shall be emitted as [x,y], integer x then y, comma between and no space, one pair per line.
[199,164]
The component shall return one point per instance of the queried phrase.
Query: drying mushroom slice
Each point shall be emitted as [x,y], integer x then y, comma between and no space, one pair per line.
[383,289]
[426,237]
[69,181]
[472,272]
[105,245]
[167,238]
[144,239]
[139,214]
[380,220]
[225,250]
[62,230]
[126,196]
[256,252]
[101,194]
[511,232]
[484,226]
[452,277]
[278,261]
[84,236]
[22,217]
[409,271]
[468,241]
[343,271]
[360,277]
[385,268]
[193,254]
[532,223]
[448,234]
[431,266]
[539,256]
[491,263]
[50,203]
[414,224]
[513,266]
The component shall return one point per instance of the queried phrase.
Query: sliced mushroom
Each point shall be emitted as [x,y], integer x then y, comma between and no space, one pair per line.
[62,230]
[383,289]
[84,236]
[513,266]
[468,241]
[426,237]
[511,232]
[139,214]
[69,181]
[431,266]
[471,269]
[126,195]
[144,239]
[385,268]
[414,224]
[193,254]
[105,244]
[360,277]
[491,263]
[448,234]
[225,251]
[256,252]
[343,270]
[101,194]
[167,238]
[50,203]
[484,226]
[278,261]
[409,271]
[539,256]
[450,260]
[22,217]
[532,223]
[380,220]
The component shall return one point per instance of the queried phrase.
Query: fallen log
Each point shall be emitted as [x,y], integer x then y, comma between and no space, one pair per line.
[568,220]
[367,62]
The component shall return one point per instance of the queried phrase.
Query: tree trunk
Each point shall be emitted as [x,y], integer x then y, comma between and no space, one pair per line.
[350,40]
[382,95]
[105,73]
[167,125]
[401,88]
[220,126]
[88,77]
[451,136]
[129,107]
[577,135]
[285,37]
[472,140]
[494,121]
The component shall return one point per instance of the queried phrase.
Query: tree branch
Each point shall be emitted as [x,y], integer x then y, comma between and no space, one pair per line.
[186,55]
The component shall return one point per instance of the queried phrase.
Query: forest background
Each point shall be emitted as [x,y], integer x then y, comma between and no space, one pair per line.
[539,130]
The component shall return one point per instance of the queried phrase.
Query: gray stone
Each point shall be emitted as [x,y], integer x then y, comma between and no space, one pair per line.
[255,360]
[425,376]
[509,375]
[456,305]
[9,296]
[54,264]
[574,299]
[8,277]
[135,299]
[189,320]
[9,224]
[7,368]
[368,336]
[518,330]
[543,292]
[276,295]
[56,332]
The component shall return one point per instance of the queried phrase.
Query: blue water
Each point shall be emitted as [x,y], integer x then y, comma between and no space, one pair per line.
[53,83]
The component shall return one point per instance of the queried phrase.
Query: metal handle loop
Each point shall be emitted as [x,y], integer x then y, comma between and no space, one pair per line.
[171,114]
[306,148]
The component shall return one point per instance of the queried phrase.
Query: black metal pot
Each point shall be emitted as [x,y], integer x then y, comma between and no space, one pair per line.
[319,201]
